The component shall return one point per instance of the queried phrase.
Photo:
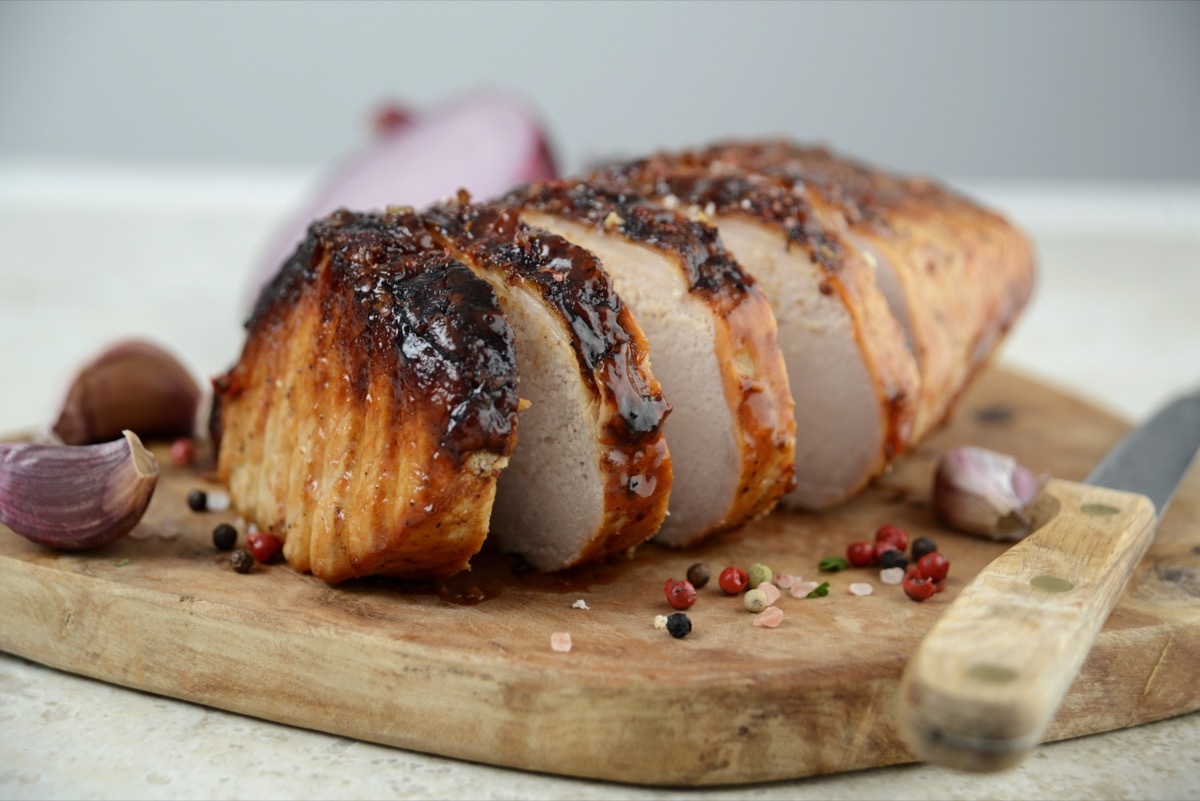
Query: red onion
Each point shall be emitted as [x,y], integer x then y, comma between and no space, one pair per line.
[485,143]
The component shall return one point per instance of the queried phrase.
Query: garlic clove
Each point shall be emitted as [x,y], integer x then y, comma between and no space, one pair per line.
[131,385]
[982,492]
[75,497]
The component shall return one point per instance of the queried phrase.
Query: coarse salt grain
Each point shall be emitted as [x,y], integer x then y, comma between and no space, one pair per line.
[580,604]
[218,501]
[560,641]
[660,622]
[784,581]
[801,589]
[861,588]
[771,591]
[891,575]
[769,618]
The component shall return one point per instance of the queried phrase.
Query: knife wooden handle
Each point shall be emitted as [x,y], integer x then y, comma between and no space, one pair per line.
[985,683]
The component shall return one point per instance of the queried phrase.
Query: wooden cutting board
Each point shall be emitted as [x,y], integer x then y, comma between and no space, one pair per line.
[465,668]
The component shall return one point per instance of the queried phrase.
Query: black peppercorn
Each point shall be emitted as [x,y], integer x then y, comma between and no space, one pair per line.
[698,575]
[922,546]
[242,560]
[679,625]
[893,559]
[224,537]
[197,500]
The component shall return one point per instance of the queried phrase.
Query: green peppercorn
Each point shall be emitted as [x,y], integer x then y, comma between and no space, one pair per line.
[242,560]
[698,575]
[758,573]
[679,625]
[755,601]
[224,537]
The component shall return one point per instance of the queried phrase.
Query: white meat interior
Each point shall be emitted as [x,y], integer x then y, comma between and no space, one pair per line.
[701,429]
[550,498]
[839,419]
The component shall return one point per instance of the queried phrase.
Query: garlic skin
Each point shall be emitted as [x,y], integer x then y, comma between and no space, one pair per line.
[981,492]
[135,385]
[75,497]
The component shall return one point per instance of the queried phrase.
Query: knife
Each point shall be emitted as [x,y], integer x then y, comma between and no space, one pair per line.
[984,684]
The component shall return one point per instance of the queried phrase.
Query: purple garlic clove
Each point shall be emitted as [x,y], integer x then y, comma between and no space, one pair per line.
[74,497]
[985,493]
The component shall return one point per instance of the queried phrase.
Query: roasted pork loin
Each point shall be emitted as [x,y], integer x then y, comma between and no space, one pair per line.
[957,275]
[713,348]
[591,475]
[373,406]
[851,374]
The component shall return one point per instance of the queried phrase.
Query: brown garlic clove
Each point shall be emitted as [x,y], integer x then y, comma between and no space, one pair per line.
[132,385]
[74,497]
[982,492]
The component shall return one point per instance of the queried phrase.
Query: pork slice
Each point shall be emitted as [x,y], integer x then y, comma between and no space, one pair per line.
[851,375]
[957,275]
[591,475]
[713,348]
[373,407]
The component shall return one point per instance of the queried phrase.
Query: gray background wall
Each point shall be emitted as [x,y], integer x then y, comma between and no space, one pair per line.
[1011,90]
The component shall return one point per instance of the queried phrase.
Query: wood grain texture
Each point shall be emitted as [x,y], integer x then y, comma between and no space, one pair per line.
[416,667]
[985,682]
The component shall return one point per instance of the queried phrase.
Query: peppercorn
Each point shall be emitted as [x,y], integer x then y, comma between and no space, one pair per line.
[225,537]
[757,574]
[860,554]
[698,575]
[197,500]
[679,625]
[755,600]
[917,587]
[922,546]
[680,594]
[933,566]
[882,547]
[893,559]
[732,580]
[893,534]
[242,560]
[264,545]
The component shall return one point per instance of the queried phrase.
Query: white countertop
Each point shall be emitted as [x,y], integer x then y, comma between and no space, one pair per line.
[92,255]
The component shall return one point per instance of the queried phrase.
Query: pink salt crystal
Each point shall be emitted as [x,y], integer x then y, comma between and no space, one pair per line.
[769,617]
[801,589]
[771,591]
[560,641]
[861,588]
[784,581]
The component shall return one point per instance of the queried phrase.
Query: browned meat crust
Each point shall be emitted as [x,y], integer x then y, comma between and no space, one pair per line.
[373,405]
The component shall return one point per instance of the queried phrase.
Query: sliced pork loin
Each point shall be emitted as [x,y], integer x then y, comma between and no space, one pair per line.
[591,475]
[373,406]
[851,374]
[713,347]
[959,273]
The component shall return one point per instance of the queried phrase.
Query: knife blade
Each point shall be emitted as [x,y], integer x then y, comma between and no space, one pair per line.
[1153,458]
[986,681]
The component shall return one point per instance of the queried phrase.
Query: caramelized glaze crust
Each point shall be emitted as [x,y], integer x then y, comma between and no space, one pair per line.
[608,343]
[755,380]
[966,272]
[373,405]
[708,189]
